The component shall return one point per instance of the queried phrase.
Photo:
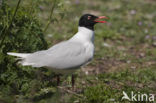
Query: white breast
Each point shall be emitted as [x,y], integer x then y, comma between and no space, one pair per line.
[86,37]
[89,50]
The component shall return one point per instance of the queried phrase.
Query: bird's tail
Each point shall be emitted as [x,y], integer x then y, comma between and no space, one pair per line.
[23,58]
[21,55]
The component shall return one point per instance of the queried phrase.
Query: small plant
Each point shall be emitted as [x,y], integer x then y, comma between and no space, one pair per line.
[98,94]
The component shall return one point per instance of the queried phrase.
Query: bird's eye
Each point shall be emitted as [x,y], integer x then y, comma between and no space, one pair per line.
[89,17]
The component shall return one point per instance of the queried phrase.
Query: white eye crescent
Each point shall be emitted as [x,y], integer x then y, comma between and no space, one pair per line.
[89,17]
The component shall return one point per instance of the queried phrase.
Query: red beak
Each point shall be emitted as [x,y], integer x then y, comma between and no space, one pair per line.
[101,17]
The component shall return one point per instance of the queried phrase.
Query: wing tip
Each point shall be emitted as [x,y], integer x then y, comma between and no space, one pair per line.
[23,55]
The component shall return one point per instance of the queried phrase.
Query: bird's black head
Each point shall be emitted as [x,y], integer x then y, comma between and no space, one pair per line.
[88,21]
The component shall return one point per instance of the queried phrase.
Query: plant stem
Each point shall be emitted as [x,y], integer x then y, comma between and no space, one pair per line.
[50,17]
[1,1]
[5,28]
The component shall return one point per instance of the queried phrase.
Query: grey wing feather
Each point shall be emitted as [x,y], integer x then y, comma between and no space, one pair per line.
[61,56]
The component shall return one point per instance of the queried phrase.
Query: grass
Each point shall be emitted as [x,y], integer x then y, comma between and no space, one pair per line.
[125,53]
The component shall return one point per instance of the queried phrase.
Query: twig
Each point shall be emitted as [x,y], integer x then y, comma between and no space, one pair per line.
[50,17]
[71,92]
[6,29]
[1,1]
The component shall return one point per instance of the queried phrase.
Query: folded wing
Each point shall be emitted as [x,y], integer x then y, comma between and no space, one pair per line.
[64,55]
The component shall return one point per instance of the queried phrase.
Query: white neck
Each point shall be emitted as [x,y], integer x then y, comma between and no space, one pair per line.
[84,35]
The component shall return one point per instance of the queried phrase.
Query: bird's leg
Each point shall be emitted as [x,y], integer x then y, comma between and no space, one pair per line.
[73,81]
[58,80]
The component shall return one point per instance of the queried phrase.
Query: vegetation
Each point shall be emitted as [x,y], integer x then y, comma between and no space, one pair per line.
[125,50]
[17,35]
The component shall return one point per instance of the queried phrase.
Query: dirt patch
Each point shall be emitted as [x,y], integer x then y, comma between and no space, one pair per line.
[104,65]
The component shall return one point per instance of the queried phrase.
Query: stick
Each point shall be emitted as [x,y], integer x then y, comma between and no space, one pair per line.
[71,92]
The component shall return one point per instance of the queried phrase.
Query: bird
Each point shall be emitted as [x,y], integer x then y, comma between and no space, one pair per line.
[67,56]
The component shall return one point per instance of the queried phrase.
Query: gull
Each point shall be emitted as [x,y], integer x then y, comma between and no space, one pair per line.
[67,56]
